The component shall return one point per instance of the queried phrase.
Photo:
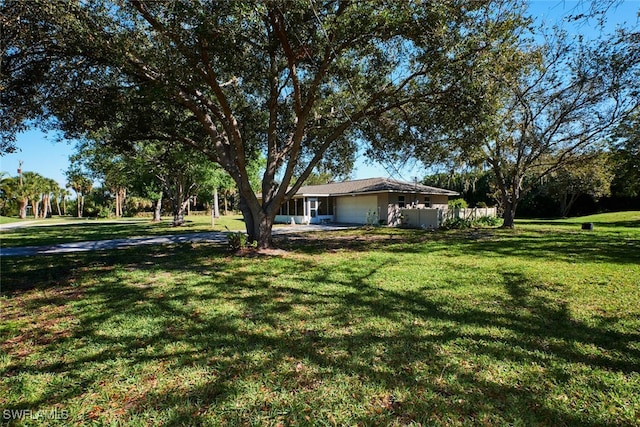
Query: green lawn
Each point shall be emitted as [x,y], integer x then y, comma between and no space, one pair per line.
[613,219]
[65,230]
[534,326]
[8,220]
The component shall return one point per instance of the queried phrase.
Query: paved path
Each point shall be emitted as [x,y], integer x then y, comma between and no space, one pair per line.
[217,237]
[52,222]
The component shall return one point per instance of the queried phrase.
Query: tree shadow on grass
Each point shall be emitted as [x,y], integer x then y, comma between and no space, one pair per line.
[538,245]
[212,339]
[556,245]
[575,248]
[577,225]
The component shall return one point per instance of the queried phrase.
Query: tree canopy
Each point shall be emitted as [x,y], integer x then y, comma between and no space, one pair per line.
[548,104]
[304,83]
[626,155]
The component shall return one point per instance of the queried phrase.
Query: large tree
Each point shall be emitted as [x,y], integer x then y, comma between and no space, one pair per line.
[555,111]
[590,174]
[547,114]
[152,169]
[626,156]
[14,189]
[303,82]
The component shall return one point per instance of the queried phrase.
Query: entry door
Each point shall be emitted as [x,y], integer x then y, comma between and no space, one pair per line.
[313,206]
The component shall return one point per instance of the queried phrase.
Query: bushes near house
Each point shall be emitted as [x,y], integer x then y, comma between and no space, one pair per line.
[464,223]
[488,221]
[238,240]
[458,203]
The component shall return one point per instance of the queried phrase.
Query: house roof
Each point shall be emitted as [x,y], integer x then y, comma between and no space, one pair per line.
[370,185]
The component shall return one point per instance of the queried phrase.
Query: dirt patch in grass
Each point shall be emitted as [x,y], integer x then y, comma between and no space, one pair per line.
[53,321]
[254,252]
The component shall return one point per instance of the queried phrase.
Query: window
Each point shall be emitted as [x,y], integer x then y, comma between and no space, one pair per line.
[401,201]
[427,202]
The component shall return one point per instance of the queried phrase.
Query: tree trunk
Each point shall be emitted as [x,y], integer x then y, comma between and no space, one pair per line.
[511,196]
[509,214]
[80,203]
[123,199]
[117,200]
[568,204]
[36,208]
[179,202]
[258,224]
[264,229]
[157,210]
[22,208]
[178,217]
[178,213]
[216,209]
[120,194]
[45,206]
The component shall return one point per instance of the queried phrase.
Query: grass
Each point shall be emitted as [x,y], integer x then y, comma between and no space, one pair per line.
[534,326]
[68,230]
[8,220]
[612,219]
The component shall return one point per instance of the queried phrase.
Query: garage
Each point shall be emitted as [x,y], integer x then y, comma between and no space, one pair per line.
[354,209]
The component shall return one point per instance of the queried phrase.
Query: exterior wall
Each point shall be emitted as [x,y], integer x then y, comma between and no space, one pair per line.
[421,218]
[433,218]
[439,201]
[412,202]
[381,208]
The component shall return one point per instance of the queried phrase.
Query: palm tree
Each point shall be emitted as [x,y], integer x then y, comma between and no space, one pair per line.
[5,189]
[12,190]
[81,184]
[60,195]
[50,186]
[35,186]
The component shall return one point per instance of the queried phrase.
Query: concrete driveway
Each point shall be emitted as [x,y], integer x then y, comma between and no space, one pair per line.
[217,237]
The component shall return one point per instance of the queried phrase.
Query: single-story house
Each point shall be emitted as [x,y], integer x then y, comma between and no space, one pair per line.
[362,201]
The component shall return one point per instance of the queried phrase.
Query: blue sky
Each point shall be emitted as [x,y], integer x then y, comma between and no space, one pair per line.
[41,153]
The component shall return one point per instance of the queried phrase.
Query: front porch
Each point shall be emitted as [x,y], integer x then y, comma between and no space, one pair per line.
[307,210]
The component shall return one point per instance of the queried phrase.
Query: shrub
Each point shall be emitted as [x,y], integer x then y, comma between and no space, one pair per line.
[456,224]
[237,240]
[490,221]
[104,211]
[372,217]
[457,203]
[462,223]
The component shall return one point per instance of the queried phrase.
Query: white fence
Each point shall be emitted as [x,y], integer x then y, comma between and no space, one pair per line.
[433,218]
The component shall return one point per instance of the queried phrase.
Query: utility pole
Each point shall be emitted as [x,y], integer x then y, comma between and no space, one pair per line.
[214,209]
[20,171]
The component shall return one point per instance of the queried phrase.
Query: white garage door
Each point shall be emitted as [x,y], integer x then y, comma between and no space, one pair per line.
[354,209]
